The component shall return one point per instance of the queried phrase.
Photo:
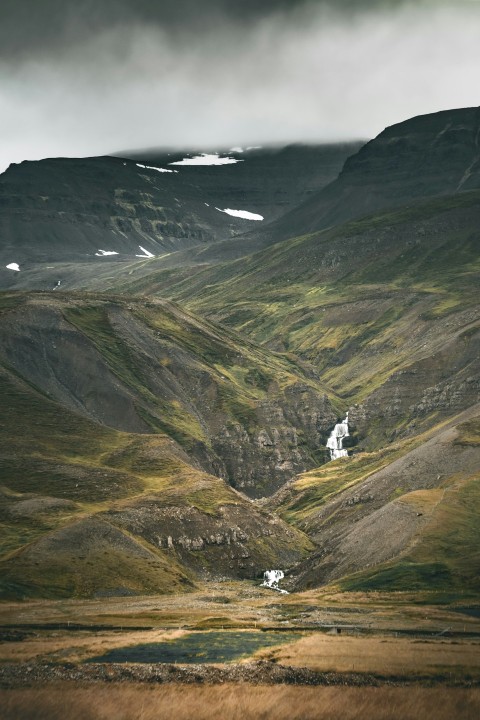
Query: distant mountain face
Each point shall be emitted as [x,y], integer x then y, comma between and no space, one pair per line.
[73,211]
[56,216]
[269,181]
[429,155]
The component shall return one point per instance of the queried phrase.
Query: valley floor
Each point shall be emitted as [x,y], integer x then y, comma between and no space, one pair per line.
[348,655]
[125,702]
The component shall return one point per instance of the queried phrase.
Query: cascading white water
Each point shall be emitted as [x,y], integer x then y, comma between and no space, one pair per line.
[271,579]
[335,441]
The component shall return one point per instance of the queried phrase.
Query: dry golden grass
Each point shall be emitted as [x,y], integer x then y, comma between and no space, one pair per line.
[238,702]
[383,655]
[246,605]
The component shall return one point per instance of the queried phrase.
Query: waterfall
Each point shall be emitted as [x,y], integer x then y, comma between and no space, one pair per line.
[271,578]
[335,441]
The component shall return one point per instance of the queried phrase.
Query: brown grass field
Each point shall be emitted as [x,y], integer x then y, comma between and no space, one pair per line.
[381,655]
[434,674]
[236,702]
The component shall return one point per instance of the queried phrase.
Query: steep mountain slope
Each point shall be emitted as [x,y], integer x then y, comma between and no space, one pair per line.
[64,210]
[423,157]
[435,154]
[399,519]
[175,215]
[385,309]
[130,424]
[241,412]
[87,510]
[68,210]
[266,180]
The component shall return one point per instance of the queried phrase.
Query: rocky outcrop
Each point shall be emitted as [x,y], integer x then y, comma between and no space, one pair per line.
[290,436]
[237,540]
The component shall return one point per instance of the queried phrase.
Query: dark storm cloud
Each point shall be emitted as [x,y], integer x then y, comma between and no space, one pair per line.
[32,26]
[29,27]
[91,77]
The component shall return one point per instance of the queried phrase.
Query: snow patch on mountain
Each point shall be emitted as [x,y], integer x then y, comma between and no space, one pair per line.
[206,159]
[146,253]
[152,167]
[244,214]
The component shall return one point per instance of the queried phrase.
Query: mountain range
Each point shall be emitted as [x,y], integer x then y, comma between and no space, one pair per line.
[172,368]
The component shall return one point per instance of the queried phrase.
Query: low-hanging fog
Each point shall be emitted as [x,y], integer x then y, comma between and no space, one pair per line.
[294,72]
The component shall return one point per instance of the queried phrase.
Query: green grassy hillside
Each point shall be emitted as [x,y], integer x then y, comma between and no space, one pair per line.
[239,411]
[385,309]
[131,425]
[402,518]
[89,510]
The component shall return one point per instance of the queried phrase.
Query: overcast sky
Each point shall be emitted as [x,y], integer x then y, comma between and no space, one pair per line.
[89,77]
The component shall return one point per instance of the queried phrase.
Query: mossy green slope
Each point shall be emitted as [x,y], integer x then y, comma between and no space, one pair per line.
[384,308]
[89,509]
[147,366]
[78,500]
[404,518]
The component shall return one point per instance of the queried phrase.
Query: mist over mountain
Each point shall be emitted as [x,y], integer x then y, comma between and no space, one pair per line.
[84,79]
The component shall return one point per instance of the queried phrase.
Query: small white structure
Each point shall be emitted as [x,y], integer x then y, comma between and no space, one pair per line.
[335,441]
[13,266]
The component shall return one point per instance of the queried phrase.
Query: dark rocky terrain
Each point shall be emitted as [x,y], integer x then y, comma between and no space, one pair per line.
[65,210]
[248,415]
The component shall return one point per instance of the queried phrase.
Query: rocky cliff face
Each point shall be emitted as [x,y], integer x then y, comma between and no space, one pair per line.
[434,388]
[236,541]
[268,180]
[66,210]
[290,435]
